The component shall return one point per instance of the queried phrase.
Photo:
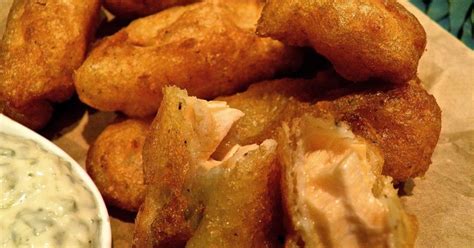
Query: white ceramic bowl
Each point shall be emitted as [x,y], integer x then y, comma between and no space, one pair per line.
[9,126]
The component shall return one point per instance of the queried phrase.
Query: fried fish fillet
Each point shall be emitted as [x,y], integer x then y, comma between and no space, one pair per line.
[403,120]
[364,39]
[114,163]
[44,42]
[192,200]
[208,48]
[136,8]
[333,191]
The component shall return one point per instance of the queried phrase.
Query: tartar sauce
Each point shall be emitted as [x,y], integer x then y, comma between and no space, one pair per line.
[43,203]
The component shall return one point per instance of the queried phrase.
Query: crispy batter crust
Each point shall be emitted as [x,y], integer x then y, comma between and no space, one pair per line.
[208,48]
[369,39]
[114,162]
[404,121]
[162,220]
[44,42]
[136,8]
[34,115]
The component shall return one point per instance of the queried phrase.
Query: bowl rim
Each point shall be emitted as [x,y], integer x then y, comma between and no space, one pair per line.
[12,127]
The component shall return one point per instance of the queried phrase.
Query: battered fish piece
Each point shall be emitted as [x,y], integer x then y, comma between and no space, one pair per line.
[403,120]
[364,39]
[136,8]
[333,191]
[44,42]
[190,197]
[115,164]
[208,48]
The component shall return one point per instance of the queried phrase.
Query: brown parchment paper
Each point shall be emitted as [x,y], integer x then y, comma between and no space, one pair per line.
[442,200]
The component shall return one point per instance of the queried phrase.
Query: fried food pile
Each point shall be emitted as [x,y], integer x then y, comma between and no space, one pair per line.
[364,39]
[378,115]
[256,141]
[44,42]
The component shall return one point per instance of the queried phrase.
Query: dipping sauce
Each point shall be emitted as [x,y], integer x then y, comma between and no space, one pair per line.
[43,203]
